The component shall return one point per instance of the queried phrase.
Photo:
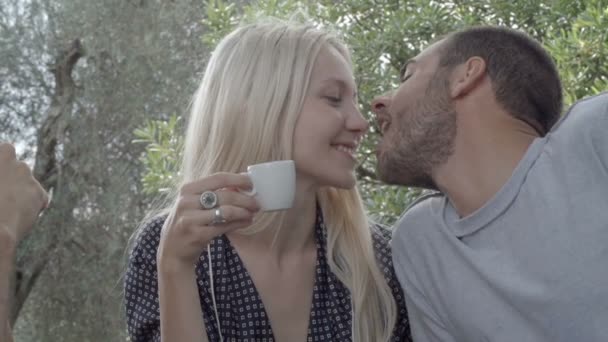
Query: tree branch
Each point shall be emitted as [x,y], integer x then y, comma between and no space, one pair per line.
[48,171]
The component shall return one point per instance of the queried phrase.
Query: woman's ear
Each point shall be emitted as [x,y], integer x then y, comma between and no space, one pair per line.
[467,76]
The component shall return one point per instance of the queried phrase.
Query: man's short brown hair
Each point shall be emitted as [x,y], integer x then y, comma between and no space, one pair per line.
[524,77]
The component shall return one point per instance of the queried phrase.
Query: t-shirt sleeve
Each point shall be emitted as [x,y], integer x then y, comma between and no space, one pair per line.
[601,131]
[424,328]
[141,287]
[381,239]
[425,322]
[594,111]
[584,131]
[425,325]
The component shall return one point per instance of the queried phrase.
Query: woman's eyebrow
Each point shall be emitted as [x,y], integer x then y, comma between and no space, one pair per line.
[340,82]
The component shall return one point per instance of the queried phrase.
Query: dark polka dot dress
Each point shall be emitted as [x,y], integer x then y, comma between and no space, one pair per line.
[241,313]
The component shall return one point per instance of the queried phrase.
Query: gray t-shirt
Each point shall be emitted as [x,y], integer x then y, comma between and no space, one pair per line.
[532,263]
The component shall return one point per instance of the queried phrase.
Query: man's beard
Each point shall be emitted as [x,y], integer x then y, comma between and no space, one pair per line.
[424,140]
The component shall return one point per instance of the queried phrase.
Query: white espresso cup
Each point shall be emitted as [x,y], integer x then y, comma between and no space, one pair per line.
[274,184]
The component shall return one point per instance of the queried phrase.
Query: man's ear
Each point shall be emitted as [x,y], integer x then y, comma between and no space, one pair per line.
[467,76]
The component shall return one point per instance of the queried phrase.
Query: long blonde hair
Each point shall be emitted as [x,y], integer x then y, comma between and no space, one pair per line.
[244,112]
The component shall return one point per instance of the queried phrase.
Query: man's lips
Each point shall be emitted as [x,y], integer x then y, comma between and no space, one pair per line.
[384,125]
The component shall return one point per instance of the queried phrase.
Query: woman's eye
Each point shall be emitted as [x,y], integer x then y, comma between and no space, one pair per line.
[333,100]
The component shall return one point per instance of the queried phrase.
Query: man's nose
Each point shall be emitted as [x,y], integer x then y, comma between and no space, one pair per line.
[380,107]
[380,104]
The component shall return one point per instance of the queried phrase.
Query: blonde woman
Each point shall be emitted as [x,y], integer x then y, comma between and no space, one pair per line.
[316,272]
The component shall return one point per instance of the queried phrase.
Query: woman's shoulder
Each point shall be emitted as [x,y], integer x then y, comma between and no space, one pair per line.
[147,239]
[381,239]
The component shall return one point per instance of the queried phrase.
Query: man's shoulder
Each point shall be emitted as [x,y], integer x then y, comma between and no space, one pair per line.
[425,198]
[422,206]
[420,213]
[590,112]
[582,131]
[596,105]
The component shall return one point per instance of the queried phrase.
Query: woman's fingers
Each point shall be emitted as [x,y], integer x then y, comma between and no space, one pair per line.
[191,227]
[228,214]
[201,225]
[207,218]
[224,197]
[216,181]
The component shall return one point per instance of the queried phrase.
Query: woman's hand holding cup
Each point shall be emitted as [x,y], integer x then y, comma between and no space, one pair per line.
[206,208]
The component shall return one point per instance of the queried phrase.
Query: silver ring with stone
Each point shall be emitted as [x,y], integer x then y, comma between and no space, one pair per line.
[218,217]
[208,200]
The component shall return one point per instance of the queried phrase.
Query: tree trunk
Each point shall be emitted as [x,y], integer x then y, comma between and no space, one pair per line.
[49,170]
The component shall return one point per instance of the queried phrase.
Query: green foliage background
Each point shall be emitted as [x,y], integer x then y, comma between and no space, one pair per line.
[142,64]
[382,35]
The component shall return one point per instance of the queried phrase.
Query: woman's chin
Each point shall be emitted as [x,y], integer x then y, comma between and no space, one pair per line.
[345,182]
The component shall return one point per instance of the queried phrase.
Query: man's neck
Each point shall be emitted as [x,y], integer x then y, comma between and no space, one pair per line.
[481,165]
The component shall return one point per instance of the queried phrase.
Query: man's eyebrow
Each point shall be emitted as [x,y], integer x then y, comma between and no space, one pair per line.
[404,67]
